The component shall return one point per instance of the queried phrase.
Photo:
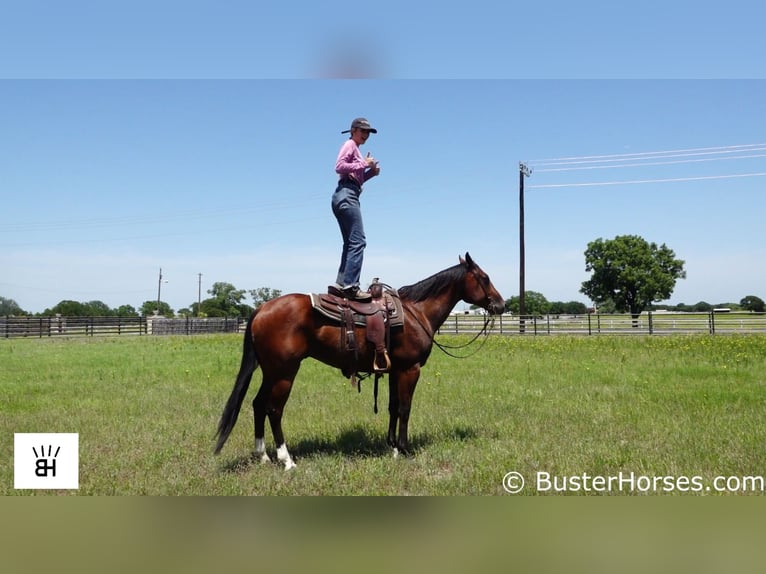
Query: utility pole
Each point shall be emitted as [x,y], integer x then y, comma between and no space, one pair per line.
[524,171]
[199,292]
[159,291]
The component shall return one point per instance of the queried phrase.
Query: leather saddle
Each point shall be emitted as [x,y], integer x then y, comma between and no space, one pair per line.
[378,315]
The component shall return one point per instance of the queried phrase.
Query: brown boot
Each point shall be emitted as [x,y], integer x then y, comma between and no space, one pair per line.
[356,294]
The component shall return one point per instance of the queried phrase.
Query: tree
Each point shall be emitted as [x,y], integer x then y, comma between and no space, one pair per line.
[10,307]
[263,294]
[702,307]
[149,307]
[226,301]
[68,308]
[536,304]
[631,272]
[97,309]
[126,311]
[752,303]
[570,308]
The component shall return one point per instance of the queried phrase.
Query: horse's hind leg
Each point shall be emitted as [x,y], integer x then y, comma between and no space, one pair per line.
[259,418]
[270,401]
[280,392]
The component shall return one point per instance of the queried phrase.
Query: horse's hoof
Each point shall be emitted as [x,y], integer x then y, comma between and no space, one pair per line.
[405,451]
[284,457]
[402,452]
[262,457]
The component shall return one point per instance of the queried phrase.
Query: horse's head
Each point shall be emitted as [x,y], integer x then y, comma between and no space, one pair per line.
[479,289]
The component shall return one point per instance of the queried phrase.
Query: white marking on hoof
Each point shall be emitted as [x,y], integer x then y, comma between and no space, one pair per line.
[284,457]
[396,452]
[260,450]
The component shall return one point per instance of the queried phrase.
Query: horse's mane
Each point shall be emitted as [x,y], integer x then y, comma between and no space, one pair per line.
[432,285]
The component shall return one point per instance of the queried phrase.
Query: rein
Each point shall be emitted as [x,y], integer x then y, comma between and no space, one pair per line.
[484,331]
[444,347]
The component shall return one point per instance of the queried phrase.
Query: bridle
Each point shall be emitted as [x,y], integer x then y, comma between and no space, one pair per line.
[489,322]
[487,298]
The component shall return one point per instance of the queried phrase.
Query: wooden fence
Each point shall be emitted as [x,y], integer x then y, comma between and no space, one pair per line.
[99,326]
[195,325]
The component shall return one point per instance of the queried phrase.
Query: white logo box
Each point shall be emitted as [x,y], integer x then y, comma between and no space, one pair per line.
[46,460]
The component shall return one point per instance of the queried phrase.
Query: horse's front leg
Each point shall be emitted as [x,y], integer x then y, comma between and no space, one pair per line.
[393,410]
[405,389]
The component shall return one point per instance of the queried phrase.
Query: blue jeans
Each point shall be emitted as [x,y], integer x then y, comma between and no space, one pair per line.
[345,207]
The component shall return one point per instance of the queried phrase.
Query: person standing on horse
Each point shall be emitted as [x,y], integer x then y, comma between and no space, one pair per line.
[354,170]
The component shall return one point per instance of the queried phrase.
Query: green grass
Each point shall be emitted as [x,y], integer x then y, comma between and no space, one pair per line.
[146,409]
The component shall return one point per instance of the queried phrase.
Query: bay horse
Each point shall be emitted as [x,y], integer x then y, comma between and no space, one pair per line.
[285,330]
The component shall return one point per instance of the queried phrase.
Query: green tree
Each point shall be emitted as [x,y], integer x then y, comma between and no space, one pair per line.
[68,308]
[126,311]
[97,309]
[631,272]
[263,294]
[10,307]
[226,301]
[569,308]
[534,302]
[606,307]
[149,307]
[752,303]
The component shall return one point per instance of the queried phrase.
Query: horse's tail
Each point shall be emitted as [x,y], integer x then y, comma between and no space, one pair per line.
[246,370]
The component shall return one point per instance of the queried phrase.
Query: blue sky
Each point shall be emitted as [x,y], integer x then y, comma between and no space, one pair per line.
[404,39]
[184,151]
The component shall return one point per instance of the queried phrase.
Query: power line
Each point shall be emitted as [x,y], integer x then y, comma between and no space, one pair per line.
[633,165]
[721,149]
[640,160]
[639,181]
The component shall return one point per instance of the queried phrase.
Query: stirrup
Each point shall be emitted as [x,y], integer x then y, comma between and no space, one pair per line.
[378,369]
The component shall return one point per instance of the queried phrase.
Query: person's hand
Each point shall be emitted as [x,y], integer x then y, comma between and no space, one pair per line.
[371,162]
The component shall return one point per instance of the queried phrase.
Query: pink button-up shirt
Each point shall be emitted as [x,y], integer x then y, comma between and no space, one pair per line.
[350,162]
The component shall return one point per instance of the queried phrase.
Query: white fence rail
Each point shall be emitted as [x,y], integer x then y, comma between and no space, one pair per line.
[612,324]
[592,324]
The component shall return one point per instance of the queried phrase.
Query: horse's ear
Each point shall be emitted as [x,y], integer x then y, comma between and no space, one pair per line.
[460,258]
[468,259]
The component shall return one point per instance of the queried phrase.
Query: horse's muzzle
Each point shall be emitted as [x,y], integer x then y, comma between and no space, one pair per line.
[496,307]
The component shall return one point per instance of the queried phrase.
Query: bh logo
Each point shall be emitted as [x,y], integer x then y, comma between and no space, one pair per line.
[43,466]
[46,460]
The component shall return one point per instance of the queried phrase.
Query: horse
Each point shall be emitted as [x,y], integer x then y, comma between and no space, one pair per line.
[284,331]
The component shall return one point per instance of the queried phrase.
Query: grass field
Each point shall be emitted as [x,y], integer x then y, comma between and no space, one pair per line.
[656,409]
